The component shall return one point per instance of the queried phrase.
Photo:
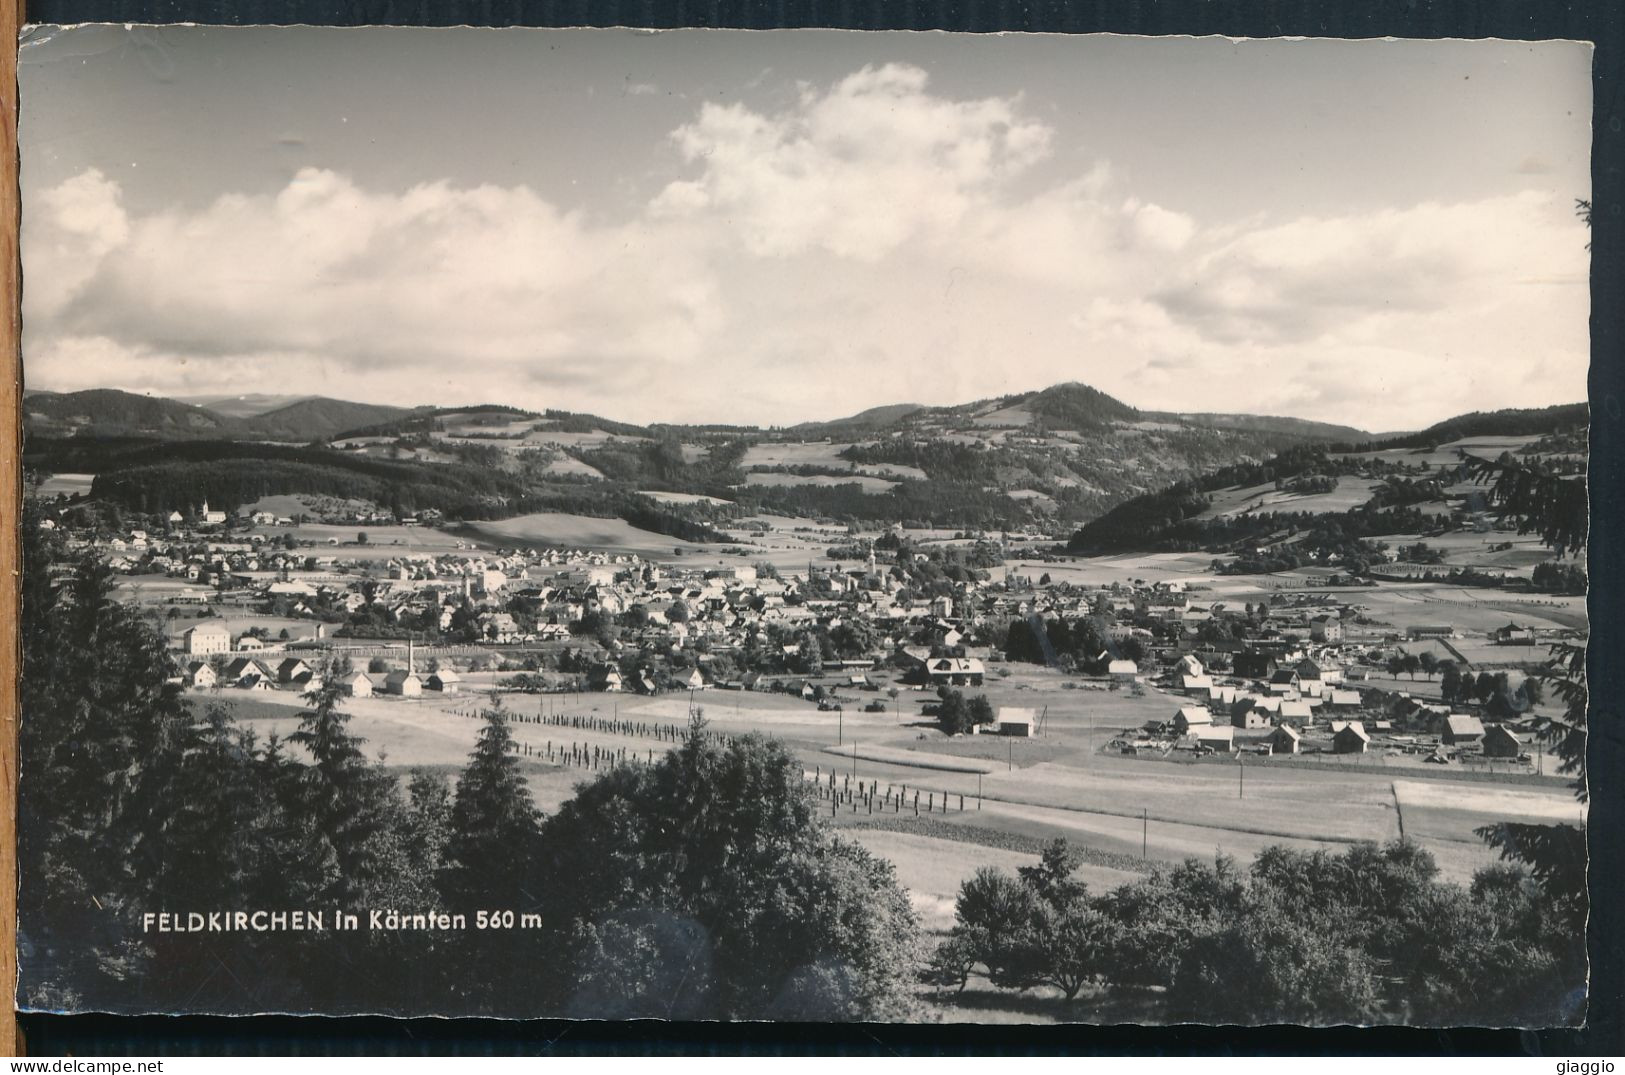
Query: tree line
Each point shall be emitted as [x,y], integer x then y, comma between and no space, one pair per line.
[1366,935]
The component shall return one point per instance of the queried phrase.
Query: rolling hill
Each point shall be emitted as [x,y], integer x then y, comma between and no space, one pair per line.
[108,412]
[318,418]
[1068,459]
[1398,484]
[244,406]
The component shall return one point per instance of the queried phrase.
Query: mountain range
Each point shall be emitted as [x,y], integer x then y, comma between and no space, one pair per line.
[1054,459]
[108,412]
[105,412]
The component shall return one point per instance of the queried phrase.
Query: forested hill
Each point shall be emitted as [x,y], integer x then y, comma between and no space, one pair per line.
[317,419]
[1358,489]
[1512,422]
[108,412]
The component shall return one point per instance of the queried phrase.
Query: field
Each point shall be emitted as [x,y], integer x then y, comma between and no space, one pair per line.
[1350,493]
[1008,793]
[1445,455]
[681,498]
[68,484]
[578,531]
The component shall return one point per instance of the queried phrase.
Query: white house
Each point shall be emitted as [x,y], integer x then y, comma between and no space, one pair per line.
[1124,671]
[1191,717]
[1016,721]
[207,638]
[403,684]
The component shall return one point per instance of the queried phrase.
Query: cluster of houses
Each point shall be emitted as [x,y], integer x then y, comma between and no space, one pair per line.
[1268,675]
[298,674]
[1283,702]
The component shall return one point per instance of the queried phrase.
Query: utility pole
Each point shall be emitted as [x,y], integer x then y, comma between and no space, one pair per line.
[1145,830]
[1241,777]
[1010,755]
[978,791]
[840,725]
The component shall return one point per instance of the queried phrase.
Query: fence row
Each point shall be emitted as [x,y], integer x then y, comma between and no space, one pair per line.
[867,796]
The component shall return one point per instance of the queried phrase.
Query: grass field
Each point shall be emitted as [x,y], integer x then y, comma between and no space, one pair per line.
[578,531]
[681,498]
[70,484]
[795,454]
[1063,783]
[1350,493]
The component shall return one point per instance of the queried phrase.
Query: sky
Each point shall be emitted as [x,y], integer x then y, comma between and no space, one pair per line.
[773,227]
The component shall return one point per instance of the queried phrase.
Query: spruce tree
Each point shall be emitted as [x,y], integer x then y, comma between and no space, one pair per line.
[353,803]
[494,825]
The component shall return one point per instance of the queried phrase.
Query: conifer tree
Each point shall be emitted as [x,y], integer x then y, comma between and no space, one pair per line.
[494,824]
[353,803]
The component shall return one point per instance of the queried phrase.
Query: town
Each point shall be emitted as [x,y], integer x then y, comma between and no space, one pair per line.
[1140,706]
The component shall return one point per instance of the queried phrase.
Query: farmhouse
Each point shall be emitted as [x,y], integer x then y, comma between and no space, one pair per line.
[1284,681]
[445,681]
[1326,629]
[1191,716]
[207,638]
[1352,738]
[1309,677]
[1284,739]
[357,685]
[1343,699]
[244,671]
[1501,742]
[1461,730]
[1248,715]
[294,671]
[200,674]
[1221,739]
[1514,635]
[1123,671]
[608,679]
[1298,709]
[958,671]
[1016,721]
[403,684]
[1250,664]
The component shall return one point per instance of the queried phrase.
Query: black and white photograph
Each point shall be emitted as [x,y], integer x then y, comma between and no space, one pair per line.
[804,525]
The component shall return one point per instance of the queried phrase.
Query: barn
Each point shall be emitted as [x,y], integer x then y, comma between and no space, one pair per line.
[1462,730]
[1352,738]
[1501,742]
[1016,721]
[1191,718]
[445,681]
[1285,739]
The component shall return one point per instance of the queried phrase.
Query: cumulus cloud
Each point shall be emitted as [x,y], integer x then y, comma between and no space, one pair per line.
[869,241]
[79,222]
[857,170]
[1294,281]
[494,280]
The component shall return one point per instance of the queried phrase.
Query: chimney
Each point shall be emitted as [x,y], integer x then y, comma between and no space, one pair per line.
[410,663]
